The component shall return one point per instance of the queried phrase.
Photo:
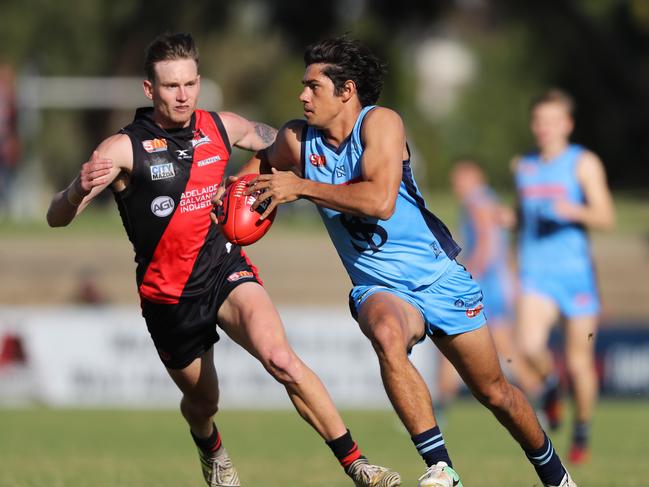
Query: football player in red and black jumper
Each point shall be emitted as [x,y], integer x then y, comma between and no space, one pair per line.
[164,168]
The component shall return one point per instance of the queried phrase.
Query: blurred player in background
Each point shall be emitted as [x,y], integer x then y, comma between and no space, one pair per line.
[351,159]
[562,192]
[164,169]
[485,254]
[9,139]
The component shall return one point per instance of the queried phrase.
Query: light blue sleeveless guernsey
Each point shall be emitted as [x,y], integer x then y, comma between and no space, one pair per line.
[482,197]
[409,251]
[496,280]
[548,244]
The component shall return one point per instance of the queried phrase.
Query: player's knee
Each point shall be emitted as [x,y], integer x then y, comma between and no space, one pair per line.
[386,337]
[579,364]
[496,395]
[283,365]
[529,351]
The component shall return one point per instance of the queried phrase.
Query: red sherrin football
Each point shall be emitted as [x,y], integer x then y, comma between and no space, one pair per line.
[240,224]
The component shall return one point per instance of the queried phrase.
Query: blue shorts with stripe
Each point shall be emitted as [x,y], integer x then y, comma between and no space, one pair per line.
[449,306]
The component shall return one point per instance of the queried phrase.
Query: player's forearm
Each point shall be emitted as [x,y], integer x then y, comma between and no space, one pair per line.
[598,218]
[61,212]
[64,206]
[359,199]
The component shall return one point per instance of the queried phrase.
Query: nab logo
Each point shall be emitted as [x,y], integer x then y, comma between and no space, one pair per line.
[162,171]
[317,160]
[162,206]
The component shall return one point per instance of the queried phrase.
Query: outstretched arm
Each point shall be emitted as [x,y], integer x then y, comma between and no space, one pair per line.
[246,134]
[110,158]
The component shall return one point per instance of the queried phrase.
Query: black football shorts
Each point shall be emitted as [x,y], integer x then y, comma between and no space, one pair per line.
[184,331]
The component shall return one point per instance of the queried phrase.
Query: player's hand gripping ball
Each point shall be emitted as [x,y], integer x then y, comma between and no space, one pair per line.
[239,223]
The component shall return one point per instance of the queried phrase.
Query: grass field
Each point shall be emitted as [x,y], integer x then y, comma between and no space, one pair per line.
[97,448]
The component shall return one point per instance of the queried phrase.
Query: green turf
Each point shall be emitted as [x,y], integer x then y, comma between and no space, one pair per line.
[96,448]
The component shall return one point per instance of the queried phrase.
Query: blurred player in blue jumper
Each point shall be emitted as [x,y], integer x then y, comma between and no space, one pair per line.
[483,226]
[562,193]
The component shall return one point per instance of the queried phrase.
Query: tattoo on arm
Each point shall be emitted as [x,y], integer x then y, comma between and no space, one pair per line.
[266,133]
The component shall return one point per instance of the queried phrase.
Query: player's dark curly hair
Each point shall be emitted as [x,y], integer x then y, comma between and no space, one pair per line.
[168,47]
[348,59]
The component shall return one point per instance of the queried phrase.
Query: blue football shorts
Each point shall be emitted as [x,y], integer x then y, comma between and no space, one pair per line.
[574,293]
[449,306]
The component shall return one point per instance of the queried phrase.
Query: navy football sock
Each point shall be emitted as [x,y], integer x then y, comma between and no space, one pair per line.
[581,434]
[546,462]
[430,445]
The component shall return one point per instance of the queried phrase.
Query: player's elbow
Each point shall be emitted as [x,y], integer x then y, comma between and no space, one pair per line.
[608,222]
[54,221]
[51,221]
[381,206]
[380,209]
[605,220]
[386,211]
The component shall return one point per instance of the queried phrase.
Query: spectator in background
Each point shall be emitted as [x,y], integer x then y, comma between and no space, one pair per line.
[562,192]
[89,291]
[485,250]
[9,141]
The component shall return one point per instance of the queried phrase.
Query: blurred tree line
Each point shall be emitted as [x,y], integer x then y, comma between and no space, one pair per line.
[461,72]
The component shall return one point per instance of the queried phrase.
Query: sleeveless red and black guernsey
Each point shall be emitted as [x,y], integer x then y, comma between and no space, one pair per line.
[166,206]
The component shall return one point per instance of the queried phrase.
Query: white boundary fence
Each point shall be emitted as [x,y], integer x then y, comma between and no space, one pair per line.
[104,357]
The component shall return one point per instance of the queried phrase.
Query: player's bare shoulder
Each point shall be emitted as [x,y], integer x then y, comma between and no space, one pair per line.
[380,121]
[118,149]
[293,132]
[589,161]
[285,152]
[590,167]
[383,116]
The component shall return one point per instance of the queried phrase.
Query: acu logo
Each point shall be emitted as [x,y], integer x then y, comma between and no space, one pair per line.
[365,235]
